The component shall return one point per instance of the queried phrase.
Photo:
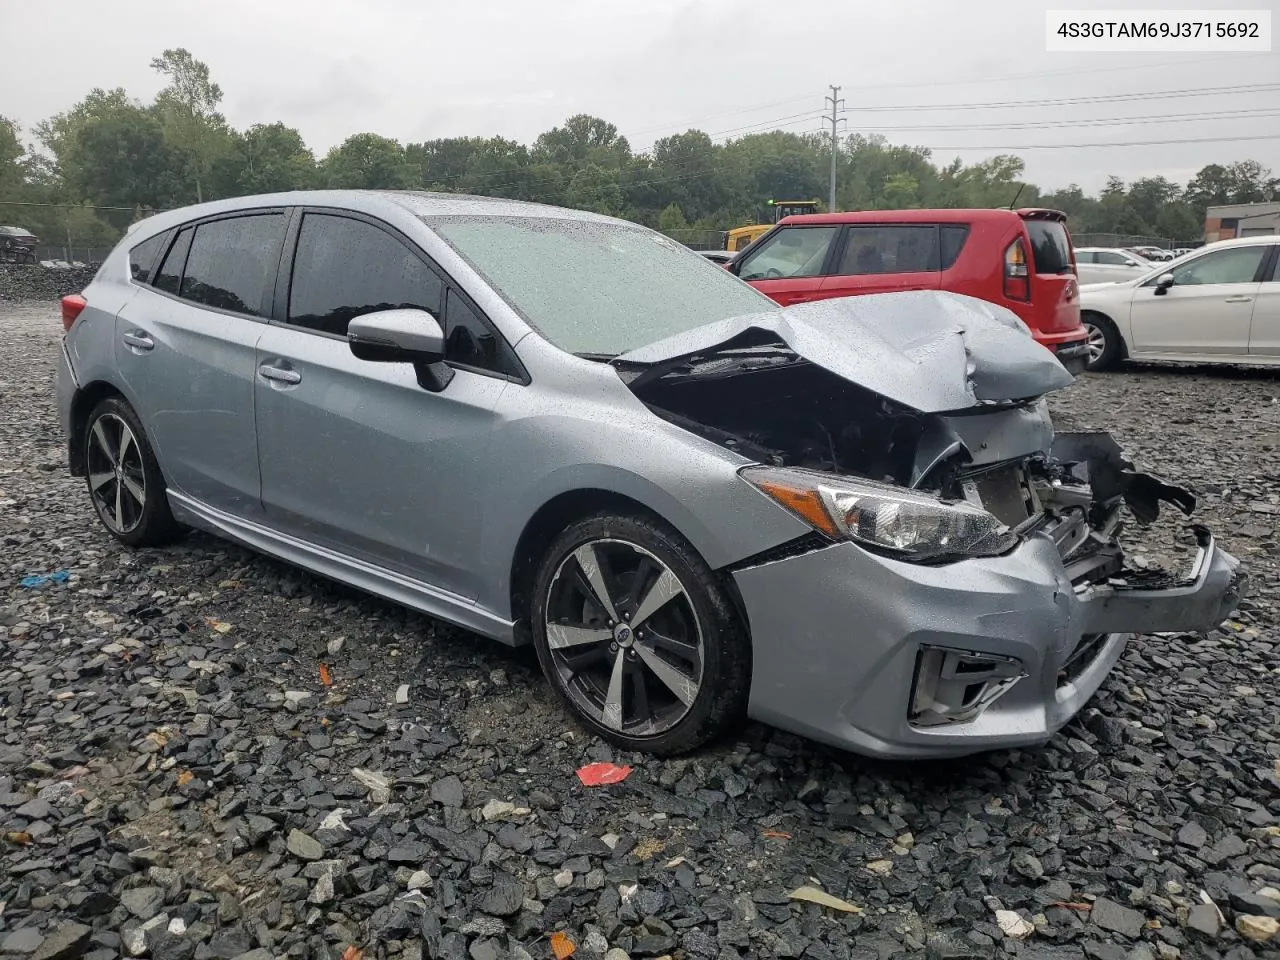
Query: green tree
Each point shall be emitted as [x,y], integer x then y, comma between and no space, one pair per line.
[595,188]
[583,140]
[264,159]
[367,161]
[672,221]
[188,106]
[12,172]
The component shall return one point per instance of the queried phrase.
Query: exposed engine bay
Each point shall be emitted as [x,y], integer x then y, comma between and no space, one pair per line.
[774,408]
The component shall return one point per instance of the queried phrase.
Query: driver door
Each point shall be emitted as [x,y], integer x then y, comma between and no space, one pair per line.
[1207,310]
[787,266]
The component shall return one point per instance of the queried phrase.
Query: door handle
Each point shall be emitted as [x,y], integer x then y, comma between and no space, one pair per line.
[138,341]
[279,374]
[1238,300]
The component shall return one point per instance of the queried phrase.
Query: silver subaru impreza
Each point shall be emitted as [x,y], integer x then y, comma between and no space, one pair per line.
[851,519]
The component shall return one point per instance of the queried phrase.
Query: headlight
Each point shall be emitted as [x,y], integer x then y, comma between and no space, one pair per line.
[909,525]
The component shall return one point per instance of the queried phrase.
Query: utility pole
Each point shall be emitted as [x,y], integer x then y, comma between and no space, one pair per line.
[836,104]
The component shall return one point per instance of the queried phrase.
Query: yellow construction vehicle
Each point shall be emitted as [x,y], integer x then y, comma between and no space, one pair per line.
[739,238]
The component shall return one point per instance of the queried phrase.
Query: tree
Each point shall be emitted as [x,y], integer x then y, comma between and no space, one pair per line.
[12,173]
[124,159]
[581,140]
[672,221]
[188,107]
[264,159]
[595,188]
[367,161]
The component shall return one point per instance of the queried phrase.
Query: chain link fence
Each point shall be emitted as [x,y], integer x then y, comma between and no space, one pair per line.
[1132,240]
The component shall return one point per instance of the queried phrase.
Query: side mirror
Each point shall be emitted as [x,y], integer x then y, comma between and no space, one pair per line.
[402,336]
[1163,283]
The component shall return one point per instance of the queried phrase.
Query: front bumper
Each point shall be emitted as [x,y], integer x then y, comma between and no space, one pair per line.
[836,634]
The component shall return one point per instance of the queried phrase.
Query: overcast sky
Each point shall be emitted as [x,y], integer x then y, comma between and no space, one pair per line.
[419,69]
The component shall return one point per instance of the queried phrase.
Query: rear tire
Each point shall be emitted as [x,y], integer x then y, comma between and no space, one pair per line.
[1106,348]
[661,663]
[124,480]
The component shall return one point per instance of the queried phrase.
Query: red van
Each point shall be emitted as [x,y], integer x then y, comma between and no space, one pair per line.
[1020,259]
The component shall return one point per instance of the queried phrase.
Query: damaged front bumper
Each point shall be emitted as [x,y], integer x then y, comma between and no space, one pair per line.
[896,659]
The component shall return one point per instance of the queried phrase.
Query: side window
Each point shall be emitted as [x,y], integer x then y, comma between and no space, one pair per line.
[470,342]
[143,257]
[232,262]
[346,267]
[953,236]
[791,252]
[1114,259]
[1275,265]
[872,250]
[1237,265]
[169,277]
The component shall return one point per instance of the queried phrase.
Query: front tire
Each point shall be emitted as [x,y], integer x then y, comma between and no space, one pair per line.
[125,484]
[1106,348]
[638,637]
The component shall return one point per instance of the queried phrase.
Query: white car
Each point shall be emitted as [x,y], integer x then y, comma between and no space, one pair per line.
[1217,304]
[1109,264]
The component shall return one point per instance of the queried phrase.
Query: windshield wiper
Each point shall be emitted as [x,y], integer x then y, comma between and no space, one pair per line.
[600,357]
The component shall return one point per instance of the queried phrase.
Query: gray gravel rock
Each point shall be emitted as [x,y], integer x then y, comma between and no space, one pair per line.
[22,940]
[143,902]
[304,847]
[65,942]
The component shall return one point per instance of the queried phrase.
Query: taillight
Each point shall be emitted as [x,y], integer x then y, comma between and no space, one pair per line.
[1017,284]
[72,304]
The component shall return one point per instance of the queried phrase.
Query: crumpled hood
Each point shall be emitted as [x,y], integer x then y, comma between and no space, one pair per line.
[928,350]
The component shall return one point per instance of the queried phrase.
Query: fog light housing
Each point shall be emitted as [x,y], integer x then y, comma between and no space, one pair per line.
[955,686]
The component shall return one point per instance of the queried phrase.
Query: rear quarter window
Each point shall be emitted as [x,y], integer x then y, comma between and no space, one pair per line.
[1050,246]
[142,258]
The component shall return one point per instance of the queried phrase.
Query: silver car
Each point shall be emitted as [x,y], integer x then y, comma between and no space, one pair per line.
[851,519]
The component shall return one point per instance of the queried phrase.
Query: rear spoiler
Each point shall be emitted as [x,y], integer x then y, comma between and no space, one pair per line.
[1042,213]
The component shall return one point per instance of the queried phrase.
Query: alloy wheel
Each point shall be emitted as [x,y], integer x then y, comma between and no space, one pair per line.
[1097,341]
[624,637]
[117,479]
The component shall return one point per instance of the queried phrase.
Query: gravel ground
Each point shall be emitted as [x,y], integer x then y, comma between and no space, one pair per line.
[208,754]
[23,281]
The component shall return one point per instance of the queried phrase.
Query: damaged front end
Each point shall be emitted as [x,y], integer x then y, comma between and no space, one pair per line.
[932,450]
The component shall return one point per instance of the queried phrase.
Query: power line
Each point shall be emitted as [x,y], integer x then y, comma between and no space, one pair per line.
[1075,101]
[949,82]
[33,203]
[1118,143]
[1100,122]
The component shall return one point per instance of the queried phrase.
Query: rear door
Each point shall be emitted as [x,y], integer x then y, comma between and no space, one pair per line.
[885,258]
[185,347]
[788,264]
[356,455]
[1208,309]
[1264,331]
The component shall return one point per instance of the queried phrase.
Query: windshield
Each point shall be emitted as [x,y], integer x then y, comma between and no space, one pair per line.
[597,288]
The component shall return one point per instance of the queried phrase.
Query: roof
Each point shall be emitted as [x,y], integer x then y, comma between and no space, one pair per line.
[1241,242]
[417,203]
[1241,210]
[952,215]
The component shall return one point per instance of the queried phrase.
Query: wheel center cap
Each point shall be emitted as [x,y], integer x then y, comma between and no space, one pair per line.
[623,635]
